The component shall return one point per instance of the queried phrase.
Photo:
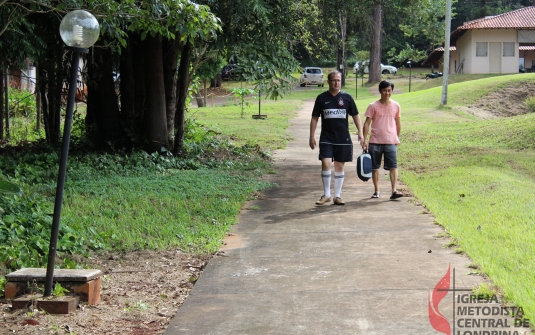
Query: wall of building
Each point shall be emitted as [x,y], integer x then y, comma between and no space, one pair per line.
[464,52]
[467,46]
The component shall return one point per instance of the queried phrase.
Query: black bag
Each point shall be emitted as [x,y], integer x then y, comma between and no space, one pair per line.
[364,166]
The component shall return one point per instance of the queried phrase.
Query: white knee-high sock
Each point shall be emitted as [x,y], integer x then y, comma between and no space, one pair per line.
[326,178]
[338,182]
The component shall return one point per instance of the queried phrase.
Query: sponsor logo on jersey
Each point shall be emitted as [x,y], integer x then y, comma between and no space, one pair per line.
[334,113]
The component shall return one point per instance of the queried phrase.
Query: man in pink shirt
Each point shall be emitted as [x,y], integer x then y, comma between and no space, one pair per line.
[383,116]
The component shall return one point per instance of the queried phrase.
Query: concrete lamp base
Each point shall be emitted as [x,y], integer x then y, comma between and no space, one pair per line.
[82,285]
[52,305]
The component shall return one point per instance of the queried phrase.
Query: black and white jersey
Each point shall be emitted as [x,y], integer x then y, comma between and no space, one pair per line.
[334,112]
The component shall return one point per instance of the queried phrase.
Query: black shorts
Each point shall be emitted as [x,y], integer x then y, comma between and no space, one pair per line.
[337,152]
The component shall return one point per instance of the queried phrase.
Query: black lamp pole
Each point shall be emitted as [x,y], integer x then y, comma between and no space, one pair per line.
[62,168]
[410,74]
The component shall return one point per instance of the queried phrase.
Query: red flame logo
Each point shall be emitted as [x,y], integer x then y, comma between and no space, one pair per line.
[438,321]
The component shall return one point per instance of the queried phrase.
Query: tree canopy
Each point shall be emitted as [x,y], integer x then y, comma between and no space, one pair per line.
[157,47]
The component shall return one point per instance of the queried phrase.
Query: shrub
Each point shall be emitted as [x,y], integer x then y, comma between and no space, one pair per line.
[530,102]
[21,103]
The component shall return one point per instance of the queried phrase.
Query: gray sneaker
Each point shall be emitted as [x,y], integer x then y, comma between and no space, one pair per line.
[323,200]
[339,201]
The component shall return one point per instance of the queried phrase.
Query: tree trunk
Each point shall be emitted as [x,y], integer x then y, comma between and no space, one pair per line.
[127,87]
[182,93]
[200,99]
[44,105]
[37,101]
[102,107]
[218,81]
[340,62]
[155,116]
[140,91]
[2,103]
[54,74]
[170,63]
[205,92]
[375,43]
[341,48]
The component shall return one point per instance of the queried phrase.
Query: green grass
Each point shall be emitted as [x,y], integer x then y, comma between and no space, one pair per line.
[185,209]
[269,133]
[477,178]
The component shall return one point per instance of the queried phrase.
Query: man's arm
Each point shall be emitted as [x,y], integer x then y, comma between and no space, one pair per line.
[367,124]
[358,123]
[398,126]
[313,125]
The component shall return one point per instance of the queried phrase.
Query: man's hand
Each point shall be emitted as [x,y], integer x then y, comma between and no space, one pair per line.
[361,140]
[312,143]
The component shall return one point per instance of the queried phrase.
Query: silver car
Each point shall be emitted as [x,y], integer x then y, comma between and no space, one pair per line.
[312,76]
[385,69]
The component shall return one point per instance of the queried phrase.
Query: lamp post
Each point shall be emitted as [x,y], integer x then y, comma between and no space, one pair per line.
[356,69]
[410,73]
[79,30]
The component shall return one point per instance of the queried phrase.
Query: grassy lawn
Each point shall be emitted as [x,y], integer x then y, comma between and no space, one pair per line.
[185,209]
[269,133]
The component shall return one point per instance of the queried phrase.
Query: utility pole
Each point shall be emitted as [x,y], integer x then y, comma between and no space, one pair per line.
[446,69]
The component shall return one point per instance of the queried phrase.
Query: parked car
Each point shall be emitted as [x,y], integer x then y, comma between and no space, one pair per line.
[385,69]
[358,64]
[312,76]
[227,72]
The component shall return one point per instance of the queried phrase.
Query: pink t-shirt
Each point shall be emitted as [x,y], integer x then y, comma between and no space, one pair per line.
[383,125]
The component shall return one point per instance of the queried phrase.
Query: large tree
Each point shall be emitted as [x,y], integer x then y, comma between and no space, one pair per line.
[159,29]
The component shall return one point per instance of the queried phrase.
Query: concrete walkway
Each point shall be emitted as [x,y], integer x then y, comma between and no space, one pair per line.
[368,267]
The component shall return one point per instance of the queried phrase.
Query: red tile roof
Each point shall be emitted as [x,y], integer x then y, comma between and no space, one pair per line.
[523,18]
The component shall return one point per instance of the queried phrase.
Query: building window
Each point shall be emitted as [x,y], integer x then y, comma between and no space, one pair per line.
[508,49]
[482,49]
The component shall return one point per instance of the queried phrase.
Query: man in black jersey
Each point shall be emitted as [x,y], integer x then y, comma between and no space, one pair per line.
[334,107]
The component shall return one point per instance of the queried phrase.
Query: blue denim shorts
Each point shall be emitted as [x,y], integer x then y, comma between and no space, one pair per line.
[389,151]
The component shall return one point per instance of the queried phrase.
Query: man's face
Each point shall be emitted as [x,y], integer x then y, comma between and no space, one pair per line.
[386,93]
[335,83]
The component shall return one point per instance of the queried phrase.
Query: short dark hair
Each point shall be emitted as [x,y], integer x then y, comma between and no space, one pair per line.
[385,84]
[333,73]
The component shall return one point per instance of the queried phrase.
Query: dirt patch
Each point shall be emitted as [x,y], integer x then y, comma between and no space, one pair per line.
[141,292]
[477,112]
[504,102]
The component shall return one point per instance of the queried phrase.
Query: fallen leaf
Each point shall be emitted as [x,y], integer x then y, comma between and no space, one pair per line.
[30,322]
